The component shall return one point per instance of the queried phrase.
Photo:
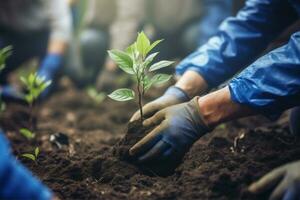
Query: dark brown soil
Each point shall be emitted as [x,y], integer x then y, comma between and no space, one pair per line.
[90,168]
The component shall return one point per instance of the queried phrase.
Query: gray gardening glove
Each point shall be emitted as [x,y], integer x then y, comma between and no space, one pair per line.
[285,180]
[177,128]
[173,95]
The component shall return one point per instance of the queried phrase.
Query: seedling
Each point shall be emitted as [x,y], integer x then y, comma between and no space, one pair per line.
[27,133]
[136,60]
[34,85]
[32,156]
[4,54]
[97,97]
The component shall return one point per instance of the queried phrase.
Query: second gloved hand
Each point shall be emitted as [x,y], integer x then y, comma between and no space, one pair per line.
[49,69]
[172,96]
[285,180]
[177,128]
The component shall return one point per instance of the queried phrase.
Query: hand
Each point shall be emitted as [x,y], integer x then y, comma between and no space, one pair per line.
[286,179]
[49,69]
[178,127]
[10,94]
[174,95]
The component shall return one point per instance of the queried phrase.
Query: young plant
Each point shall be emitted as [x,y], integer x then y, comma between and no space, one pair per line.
[27,133]
[97,97]
[32,156]
[4,54]
[34,85]
[136,60]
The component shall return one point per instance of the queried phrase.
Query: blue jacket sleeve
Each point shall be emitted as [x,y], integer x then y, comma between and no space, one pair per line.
[272,83]
[16,182]
[239,40]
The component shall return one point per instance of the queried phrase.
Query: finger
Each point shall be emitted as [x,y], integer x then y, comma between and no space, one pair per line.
[156,152]
[155,119]
[136,116]
[280,190]
[267,181]
[147,142]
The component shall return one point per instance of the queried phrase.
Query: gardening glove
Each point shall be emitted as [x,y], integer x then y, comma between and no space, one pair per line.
[49,70]
[173,95]
[177,128]
[9,93]
[285,180]
[16,182]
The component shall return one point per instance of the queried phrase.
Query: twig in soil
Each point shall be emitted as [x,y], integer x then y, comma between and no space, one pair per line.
[236,143]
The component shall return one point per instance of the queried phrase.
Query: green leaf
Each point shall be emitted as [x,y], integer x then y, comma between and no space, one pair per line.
[27,133]
[29,156]
[36,152]
[123,94]
[143,44]
[159,65]
[150,58]
[123,60]
[160,78]
[131,50]
[153,45]
[147,83]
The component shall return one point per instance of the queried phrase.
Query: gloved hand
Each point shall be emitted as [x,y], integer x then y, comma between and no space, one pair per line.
[173,95]
[178,127]
[285,180]
[49,70]
[10,94]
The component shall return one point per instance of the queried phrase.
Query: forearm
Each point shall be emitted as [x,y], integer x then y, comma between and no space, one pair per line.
[218,107]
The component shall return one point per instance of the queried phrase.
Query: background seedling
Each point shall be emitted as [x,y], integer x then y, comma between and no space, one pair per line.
[27,133]
[4,54]
[97,97]
[32,156]
[137,61]
[34,85]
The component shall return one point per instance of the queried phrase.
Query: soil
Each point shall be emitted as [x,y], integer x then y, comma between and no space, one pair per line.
[219,166]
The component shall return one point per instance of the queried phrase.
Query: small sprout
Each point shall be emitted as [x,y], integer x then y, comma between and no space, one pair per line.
[32,156]
[35,85]
[27,133]
[4,54]
[136,61]
[97,97]
[2,106]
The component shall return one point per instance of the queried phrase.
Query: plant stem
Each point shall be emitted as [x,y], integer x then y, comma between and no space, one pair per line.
[140,101]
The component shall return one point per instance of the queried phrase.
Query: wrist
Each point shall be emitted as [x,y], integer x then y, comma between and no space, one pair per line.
[192,83]
[218,107]
[179,93]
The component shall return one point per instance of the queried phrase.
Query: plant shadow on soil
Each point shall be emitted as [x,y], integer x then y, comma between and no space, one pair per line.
[90,168]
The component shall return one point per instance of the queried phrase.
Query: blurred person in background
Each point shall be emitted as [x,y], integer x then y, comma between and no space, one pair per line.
[113,24]
[35,29]
[268,83]
[16,182]
[91,21]
[184,25]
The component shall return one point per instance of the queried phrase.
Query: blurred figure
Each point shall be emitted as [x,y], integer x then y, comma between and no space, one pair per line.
[91,20]
[16,182]
[184,25]
[35,28]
